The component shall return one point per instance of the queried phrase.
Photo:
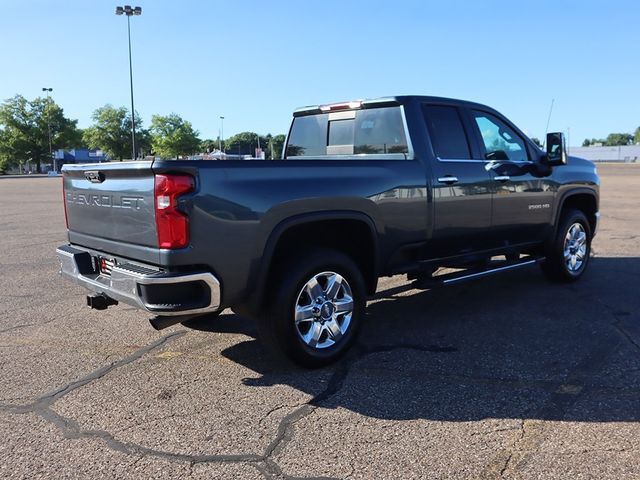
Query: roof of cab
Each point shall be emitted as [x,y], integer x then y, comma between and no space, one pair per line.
[383,101]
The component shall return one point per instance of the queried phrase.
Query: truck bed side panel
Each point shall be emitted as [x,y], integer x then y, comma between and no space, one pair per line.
[238,204]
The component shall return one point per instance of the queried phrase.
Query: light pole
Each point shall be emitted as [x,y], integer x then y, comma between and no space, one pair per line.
[221,138]
[129,11]
[49,90]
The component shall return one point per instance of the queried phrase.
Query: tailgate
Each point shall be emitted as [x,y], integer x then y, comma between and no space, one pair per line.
[111,201]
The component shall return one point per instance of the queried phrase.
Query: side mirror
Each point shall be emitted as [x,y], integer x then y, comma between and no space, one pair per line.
[556,149]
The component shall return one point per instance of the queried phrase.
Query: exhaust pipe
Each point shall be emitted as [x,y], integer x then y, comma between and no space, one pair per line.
[100,301]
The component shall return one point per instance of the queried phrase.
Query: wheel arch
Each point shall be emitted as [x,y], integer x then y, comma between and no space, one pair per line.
[359,240]
[583,199]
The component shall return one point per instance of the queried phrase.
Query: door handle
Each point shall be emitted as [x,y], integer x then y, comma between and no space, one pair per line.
[502,178]
[448,179]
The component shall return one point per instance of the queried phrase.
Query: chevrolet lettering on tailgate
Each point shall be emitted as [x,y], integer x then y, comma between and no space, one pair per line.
[105,200]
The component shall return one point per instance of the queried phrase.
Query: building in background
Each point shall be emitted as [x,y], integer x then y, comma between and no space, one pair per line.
[623,153]
[78,155]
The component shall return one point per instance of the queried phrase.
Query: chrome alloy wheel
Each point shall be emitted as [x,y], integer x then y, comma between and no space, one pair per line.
[575,247]
[323,310]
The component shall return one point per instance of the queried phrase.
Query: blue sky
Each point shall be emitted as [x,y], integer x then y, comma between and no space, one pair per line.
[255,61]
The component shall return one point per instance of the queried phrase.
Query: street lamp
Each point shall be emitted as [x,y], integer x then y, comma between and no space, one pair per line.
[49,90]
[129,11]
[220,139]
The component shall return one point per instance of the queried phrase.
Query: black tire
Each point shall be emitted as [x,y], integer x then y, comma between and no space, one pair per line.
[277,327]
[555,266]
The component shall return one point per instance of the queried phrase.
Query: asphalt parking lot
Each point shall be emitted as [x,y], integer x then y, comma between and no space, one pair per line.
[508,377]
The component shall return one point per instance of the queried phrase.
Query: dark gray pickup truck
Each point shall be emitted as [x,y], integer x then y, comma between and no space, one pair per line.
[365,189]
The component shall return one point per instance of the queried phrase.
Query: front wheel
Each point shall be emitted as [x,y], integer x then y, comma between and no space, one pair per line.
[568,256]
[315,308]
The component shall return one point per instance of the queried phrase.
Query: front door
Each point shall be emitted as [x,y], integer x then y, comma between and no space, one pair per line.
[522,193]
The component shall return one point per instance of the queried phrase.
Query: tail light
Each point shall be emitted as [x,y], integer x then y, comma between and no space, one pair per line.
[64,203]
[172,225]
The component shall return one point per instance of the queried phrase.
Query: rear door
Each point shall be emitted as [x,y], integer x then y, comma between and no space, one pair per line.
[461,184]
[523,194]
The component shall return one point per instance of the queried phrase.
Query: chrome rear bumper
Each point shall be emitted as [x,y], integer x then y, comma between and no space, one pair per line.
[130,283]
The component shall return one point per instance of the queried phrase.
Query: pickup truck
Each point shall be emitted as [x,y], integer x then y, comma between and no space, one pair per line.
[396,185]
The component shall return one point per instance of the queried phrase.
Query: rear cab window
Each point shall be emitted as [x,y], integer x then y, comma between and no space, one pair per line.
[446,130]
[350,134]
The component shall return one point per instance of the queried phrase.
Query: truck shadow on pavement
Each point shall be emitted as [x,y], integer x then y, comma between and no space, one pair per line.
[510,346]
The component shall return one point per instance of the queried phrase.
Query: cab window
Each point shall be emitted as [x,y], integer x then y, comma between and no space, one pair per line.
[447,133]
[500,141]
[308,136]
[376,132]
[379,131]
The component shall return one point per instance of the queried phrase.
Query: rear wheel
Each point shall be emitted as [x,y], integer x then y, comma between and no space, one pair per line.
[568,256]
[314,308]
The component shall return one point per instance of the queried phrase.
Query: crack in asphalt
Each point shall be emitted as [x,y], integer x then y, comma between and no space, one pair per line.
[559,402]
[48,399]
[513,448]
[351,473]
[25,325]
[618,326]
[285,432]
[598,450]
[271,470]
[617,323]
[277,408]
[263,463]
[532,432]
[70,428]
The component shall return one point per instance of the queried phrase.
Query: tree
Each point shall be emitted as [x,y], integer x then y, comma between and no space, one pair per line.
[24,131]
[111,132]
[243,143]
[171,136]
[76,139]
[615,139]
[586,142]
[277,142]
[7,160]
[536,140]
[208,145]
[143,140]
[636,136]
